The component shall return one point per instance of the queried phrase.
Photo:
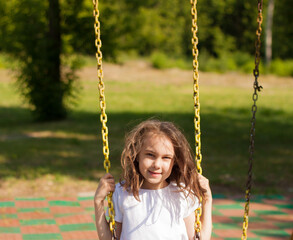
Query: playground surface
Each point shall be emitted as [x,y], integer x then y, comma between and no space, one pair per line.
[56,218]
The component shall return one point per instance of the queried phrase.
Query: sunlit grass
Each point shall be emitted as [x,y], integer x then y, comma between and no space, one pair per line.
[73,148]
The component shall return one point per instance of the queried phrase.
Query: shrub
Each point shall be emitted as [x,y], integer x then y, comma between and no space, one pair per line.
[282,67]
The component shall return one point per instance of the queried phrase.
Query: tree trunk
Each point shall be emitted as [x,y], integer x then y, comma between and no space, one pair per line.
[55,106]
[269,24]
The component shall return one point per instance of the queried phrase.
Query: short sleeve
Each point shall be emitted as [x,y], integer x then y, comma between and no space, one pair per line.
[117,202]
[192,204]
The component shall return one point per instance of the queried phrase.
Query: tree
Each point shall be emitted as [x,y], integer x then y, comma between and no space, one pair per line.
[269,23]
[34,39]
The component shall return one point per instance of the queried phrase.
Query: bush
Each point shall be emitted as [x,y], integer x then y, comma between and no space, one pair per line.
[282,67]
[160,60]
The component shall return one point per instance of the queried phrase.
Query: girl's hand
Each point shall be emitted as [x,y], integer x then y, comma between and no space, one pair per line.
[206,217]
[106,185]
[204,183]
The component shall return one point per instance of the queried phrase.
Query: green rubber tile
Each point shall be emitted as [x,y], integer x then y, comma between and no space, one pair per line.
[9,230]
[64,203]
[63,214]
[30,199]
[228,206]
[215,235]
[37,222]
[284,225]
[287,206]
[47,210]
[271,233]
[85,198]
[219,196]
[269,212]
[5,216]
[250,219]
[273,197]
[7,204]
[43,236]
[77,227]
[216,212]
[225,226]
[90,209]
[238,238]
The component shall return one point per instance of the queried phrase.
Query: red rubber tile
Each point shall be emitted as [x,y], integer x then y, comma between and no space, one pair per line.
[6,199]
[280,218]
[288,211]
[223,233]
[262,225]
[273,238]
[78,235]
[65,209]
[262,206]
[10,236]
[34,229]
[31,204]
[34,215]
[61,199]
[7,210]
[9,222]
[235,212]
[273,201]
[81,218]
[87,203]
[232,233]
[224,202]
[222,219]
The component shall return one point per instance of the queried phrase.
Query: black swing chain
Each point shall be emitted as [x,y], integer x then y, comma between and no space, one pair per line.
[257,88]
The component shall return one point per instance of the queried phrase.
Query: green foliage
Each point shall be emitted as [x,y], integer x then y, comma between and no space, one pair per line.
[283,30]
[160,60]
[151,26]
[4,61]
[235,61]
[282,67]
[34,41]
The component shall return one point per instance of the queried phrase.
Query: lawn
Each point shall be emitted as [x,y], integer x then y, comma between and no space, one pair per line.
[65,158]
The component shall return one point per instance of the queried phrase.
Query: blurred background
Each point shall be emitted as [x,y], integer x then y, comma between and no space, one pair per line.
[50,140]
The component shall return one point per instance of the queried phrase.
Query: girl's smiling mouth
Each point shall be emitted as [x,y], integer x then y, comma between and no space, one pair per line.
[155,174]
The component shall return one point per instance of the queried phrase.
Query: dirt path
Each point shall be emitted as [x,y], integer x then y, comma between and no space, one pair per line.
[140,71]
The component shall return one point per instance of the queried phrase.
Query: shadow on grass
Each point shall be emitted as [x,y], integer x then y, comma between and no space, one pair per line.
[73,147]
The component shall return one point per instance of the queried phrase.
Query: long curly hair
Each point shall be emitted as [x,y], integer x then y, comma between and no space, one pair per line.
[183,173]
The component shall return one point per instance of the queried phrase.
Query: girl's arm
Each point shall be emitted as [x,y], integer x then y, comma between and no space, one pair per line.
[206,217]
[106,185]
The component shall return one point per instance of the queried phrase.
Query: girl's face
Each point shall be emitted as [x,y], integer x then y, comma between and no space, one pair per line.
[156,160]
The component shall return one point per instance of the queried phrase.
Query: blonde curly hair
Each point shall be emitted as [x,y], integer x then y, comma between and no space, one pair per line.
[184,172]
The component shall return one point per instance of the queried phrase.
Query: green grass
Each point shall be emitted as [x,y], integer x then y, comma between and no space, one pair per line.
[73,147]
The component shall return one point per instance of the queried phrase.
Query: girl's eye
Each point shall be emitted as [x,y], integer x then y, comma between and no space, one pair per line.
[150,154]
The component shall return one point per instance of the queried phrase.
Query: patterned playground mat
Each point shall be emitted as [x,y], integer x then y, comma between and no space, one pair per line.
[271,218]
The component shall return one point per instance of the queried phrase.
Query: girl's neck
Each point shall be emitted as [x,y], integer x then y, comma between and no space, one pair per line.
[150,186]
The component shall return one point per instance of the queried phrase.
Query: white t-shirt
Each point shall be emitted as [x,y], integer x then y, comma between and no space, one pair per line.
[159,214]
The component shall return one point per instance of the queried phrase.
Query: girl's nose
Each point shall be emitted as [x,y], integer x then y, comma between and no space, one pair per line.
[157,163]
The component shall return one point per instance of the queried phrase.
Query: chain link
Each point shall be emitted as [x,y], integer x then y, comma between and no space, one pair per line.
[257,88]
[103,116]
[198,156]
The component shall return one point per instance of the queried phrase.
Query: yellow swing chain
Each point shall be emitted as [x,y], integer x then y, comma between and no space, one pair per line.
[253,109]
[198,156]
[103,116]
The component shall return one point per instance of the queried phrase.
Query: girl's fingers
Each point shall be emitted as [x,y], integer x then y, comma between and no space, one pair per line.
[108,176]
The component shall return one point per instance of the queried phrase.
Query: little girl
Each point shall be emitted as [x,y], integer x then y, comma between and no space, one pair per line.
[159,190]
